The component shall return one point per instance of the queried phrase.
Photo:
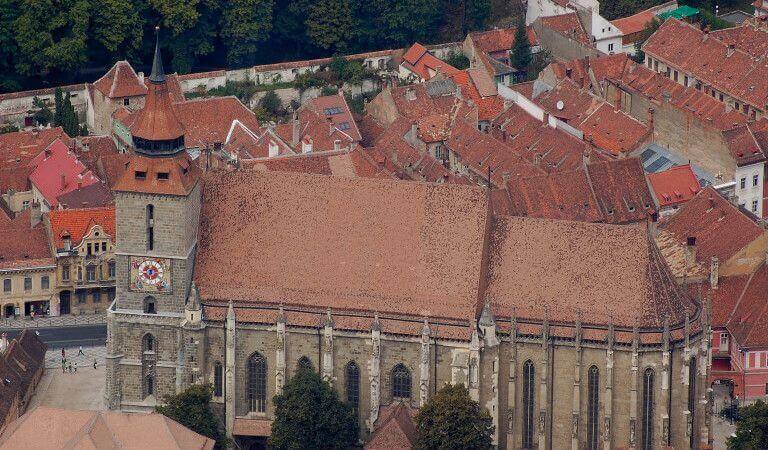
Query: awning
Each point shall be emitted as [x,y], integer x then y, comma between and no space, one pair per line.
[252,427]
[680,13]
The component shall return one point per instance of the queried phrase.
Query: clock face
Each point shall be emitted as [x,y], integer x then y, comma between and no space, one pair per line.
[151,272]
[150,275]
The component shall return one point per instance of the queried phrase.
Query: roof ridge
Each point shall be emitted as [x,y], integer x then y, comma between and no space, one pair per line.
[741,296]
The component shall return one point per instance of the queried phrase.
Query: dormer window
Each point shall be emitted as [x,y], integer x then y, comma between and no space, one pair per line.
[162,175]
[140,175]
[126,101]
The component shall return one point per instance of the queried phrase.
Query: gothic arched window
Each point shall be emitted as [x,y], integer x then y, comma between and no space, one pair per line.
[148,343]
[304,363]
[593,403]
[150,227]
[218,379]
[257,383]
[353,385]
[150,305]
[149,385]
[529,400]
[647,435]
[401,382]
[692,398]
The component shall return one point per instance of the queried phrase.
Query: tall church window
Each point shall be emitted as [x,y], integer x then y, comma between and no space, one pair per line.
[401,382]
[149,385]
[257,383]
[150,227]
[692,398]
[304,363]
[353,385]
[593,402]
[647,436]
[148,343]
[150,306]
[529,396]
[218,379]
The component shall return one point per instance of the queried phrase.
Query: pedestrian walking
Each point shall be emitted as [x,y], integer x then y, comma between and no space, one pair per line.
[32,315]
[75,364]
[63,356]
[63,365]
[81,351]
[94,363]
[70,367]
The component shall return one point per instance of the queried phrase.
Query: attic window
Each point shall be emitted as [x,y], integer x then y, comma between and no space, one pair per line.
[162,175]
[344,126]
[140,175]
[610,212]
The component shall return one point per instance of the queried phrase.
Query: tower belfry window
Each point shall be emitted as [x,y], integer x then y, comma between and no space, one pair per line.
[150,227]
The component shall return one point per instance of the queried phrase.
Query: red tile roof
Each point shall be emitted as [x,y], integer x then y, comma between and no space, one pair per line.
[568,25]
[77,223]
[720,228]
[344,163]
[206,121]
[621,190]
[247,144]
[478,87]
[674,186]
[744,146]
[23,246]
[142,175]
[394,429]
[336,110]
[18,149]
[559,195]
[58,171]
[748,321]
[94,195]
[121,81]
[636,23]
[418,60]
[499,40]
[157,120]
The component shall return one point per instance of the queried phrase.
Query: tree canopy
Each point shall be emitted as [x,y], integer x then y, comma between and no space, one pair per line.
[191,408]
[452,420]
[751,428]
[54,42]
[521,49]
[309,414]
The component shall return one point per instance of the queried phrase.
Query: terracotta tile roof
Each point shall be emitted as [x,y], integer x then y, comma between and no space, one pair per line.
[724,298]
[246,144]
[45,427]
[121,81]
[748,321]
[564,267]
[621,190]
[344,163]
[23,246]
[18,149]
[90,148]
[77,223]
[143,174]
[477,87]
[743,145]
[636,23]
[559,195]
[57,171]
[394,428]
[111,167]
[414,101]
[252,427]
[568,25]
[720,228]
[370,130]
[418,60]
[322,218]
[739,70]
[434,128]
[20,364]
[96,194]
[157,120]
[336,110]
[675,185]
[499,40]
[208,120]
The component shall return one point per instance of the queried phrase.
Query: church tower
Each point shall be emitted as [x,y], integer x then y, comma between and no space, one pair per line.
[157,203]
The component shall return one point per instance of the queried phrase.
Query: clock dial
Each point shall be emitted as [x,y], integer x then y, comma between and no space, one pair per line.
[151,272]
[150,275]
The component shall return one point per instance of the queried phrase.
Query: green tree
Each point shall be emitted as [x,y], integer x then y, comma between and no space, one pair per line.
[521,49]
[191,408]
[452,420]
[69,121]
[457,60]
[403,22]
[9,12]
[289,38]
[58,103]
[51,36]
[329,24]
[193,26]
[751,428]
[116,29]
[309,414]
[43,116]
[476,13]
[246,25]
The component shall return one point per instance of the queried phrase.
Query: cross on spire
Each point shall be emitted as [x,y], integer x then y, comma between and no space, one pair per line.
[158,74]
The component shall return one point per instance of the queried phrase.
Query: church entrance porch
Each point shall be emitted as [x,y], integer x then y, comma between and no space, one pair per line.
[252,434]
[40,308]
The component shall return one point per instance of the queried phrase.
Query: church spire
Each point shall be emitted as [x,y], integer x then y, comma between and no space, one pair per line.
[158,74]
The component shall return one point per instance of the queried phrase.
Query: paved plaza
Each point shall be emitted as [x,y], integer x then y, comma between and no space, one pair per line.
[81,390]
[56,321]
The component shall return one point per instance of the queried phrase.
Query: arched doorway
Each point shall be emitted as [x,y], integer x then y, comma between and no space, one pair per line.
[8,310]
[64,299]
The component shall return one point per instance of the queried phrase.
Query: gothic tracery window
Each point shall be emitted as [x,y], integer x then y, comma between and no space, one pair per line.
[692,398]
[257,383]
[529,396]
[401,382]
[150,227]
[593,403]
[353,385]
[149,385]
[647,432]
[218,379]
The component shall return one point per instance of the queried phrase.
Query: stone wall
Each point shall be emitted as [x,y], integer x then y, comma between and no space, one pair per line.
[561,47]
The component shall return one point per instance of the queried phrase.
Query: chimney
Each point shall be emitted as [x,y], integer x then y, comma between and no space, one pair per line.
[651,111]
[731,50]
[410,94]
[414,130]
[306,145]
[273,150]
[714,269]
[337,145]
[690,251]
[585,158]
[35,214]
[63,181]
[141,76]
[295,127]
[3,342]
[568,72]
[79,181]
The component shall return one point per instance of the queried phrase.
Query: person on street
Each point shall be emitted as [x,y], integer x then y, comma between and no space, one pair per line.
[94,363]
[81,351]
[70,367]
[63,356]
[75,366]
[63,365]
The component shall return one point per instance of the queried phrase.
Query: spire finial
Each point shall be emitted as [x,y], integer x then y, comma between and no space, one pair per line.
[158,74]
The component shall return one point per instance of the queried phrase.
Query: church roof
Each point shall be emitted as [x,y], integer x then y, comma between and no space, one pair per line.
[120,81]
[170,176]
[417,249]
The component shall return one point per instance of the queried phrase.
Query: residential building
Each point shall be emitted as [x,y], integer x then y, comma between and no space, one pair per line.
[22,363]
[761,8]
[27,267]
[83,241]
[673,187]
[57,171]
[492,50]
[633,27]
[420,65]
[53,428]
[602,34]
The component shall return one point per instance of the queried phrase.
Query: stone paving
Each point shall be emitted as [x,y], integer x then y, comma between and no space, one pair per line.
[83,389]
[56,321]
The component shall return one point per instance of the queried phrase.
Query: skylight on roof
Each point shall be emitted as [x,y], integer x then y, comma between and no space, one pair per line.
[333,111]
[344,126]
